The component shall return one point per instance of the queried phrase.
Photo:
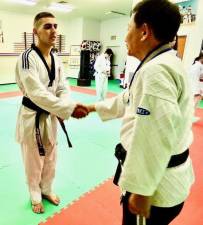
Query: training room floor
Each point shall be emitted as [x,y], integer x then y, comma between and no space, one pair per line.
[83,170]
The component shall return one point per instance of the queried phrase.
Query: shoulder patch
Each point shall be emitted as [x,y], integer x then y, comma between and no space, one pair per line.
[142,111]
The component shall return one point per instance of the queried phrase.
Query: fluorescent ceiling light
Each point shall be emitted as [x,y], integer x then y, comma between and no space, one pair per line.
[107,13]
[25,2]
[115,12]
[63,7]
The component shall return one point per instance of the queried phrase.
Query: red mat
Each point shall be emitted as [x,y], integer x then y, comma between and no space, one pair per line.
[192,213]
[83,90]
[10,94]
[101,206]
[89,91]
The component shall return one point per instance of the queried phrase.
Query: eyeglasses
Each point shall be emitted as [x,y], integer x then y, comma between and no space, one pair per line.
[48,26]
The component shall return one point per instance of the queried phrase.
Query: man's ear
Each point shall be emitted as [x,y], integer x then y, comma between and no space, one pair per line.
[34,31]
[145,32]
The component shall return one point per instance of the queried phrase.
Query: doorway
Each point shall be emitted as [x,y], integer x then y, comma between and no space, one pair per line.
[181,45]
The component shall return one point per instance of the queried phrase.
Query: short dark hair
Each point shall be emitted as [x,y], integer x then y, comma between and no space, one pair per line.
[162,16]
[198,57]
[109,51]
[42,15]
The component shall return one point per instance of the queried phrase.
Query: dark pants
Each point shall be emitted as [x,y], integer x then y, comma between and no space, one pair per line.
[158,215]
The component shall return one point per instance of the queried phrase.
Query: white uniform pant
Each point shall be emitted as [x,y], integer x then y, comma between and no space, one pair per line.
[39,170]
[101,85]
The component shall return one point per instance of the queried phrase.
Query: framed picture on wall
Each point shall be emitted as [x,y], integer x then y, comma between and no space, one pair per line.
[188,10]
[75,50]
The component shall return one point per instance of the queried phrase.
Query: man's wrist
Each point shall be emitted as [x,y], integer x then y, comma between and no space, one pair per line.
[91,108]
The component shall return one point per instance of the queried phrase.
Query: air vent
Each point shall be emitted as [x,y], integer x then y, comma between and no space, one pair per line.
[113,37]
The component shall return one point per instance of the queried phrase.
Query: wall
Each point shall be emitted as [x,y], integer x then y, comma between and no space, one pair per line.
[91,30]
[12,33]
[75,30]
[115,27]
[14,24]
[194,33]
[80,29]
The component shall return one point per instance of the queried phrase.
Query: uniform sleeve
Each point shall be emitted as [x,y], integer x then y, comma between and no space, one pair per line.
[112,108]
[37,92]
[154,136]
[63,88]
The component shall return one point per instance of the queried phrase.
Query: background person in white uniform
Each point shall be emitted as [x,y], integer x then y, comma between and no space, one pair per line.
[102,68]
[39,75]
[195,73]
[157,116]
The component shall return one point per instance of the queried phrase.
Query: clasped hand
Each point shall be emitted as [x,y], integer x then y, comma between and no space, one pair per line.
[81,110]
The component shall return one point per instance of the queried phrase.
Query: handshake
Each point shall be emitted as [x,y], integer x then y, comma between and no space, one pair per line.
[81,110]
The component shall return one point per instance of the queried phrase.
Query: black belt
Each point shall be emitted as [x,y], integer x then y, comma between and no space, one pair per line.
[31,105]
[179,159]
[120,154]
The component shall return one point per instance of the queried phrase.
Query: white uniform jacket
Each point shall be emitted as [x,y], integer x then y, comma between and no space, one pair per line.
[33,80]
[102,65]
[157,116]
[131,65]
[195,72]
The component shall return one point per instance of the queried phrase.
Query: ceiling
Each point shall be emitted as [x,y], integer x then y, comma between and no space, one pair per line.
[94,9]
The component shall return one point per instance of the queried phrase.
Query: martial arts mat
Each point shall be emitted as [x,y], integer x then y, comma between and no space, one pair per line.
[80,169]
[83,173]
[101,205]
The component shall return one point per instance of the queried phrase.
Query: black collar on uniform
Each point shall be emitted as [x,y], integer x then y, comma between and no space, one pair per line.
[51,73]
[152,54]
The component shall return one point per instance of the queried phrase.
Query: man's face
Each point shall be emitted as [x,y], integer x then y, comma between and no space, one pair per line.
[46,31]
[107,56]
[201,60]
[133,39]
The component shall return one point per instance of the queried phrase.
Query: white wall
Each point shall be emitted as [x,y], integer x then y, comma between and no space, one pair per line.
[194,33]
[13,25]
[115,27]
[91,29]
[75,30]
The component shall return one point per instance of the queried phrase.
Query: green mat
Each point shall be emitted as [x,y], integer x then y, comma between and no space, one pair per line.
[113,85]
[87,164]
